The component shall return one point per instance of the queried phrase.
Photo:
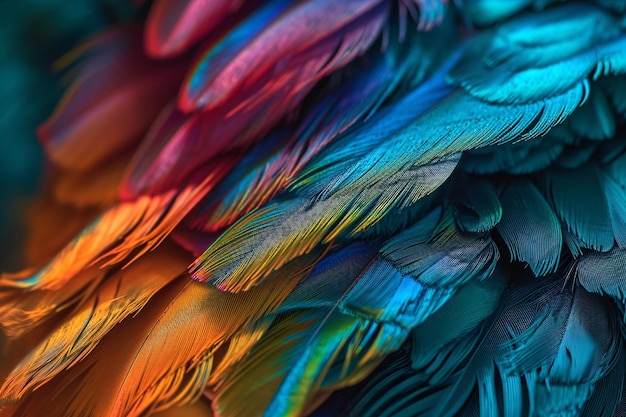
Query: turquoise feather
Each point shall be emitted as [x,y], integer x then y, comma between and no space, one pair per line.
[523,204]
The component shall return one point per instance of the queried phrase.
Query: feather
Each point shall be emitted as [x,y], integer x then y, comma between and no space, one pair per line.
[380,179]
[524,62]
[174,26]
[615,88]
[301,362]
[19,315]
[478,210]
[442,256]
[594,119]
[295,231]
[131,228]
[394,386]
[528,364]
[209,85]
[152,372]
[94,241]
[120,296]
[515,158]
[615,169]
[171,150]
[581,205]
[486,12]
[603,273]
[456,124]
[431,12]
[616,199]
[265,170]
[523,204]
[117,94]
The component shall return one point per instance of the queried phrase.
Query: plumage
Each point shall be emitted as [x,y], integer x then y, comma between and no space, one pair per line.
[300,29]
[329,208]
[172,27]
[522,203]
[115,82]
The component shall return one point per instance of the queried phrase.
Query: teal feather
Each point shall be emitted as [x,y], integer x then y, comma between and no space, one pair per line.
[610,387]
[486,12]
[477,206]
[436,348]
[515,158]
[616,199]
[414,274]
[526,213]
[615,89]
[530,347]
[603,273]
[581,205]
[457,124]
[617,169]
[541,55]
[442,255]
[385,295]
[595,119]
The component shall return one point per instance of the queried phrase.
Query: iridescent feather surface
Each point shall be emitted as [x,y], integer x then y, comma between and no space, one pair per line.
[329,208]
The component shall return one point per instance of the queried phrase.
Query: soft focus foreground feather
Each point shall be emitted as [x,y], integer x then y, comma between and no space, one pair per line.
[392,207]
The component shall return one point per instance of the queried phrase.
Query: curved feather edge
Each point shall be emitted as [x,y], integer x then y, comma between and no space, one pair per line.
[526,212]
[265,171]
[155,367]
[524,62]
[123,294]
[580,203]
[210,85]
[373,181]
[267,238]
[173,26]
[603,273]
[399,382]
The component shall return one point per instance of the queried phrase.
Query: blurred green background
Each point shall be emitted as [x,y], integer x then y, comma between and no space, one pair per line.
[33,35]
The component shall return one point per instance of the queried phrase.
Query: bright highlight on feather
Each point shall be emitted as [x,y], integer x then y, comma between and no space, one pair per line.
[330,208]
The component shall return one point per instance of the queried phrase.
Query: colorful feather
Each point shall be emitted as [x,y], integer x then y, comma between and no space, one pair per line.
[174,26]
[113,101]
[340,178]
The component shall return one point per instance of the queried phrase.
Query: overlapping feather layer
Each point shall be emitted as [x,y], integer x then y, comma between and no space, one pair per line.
[312,207]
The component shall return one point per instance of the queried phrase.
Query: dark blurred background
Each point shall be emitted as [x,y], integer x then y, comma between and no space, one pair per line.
[33,35]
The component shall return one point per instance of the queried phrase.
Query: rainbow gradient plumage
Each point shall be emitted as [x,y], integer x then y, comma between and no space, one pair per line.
[330,208]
